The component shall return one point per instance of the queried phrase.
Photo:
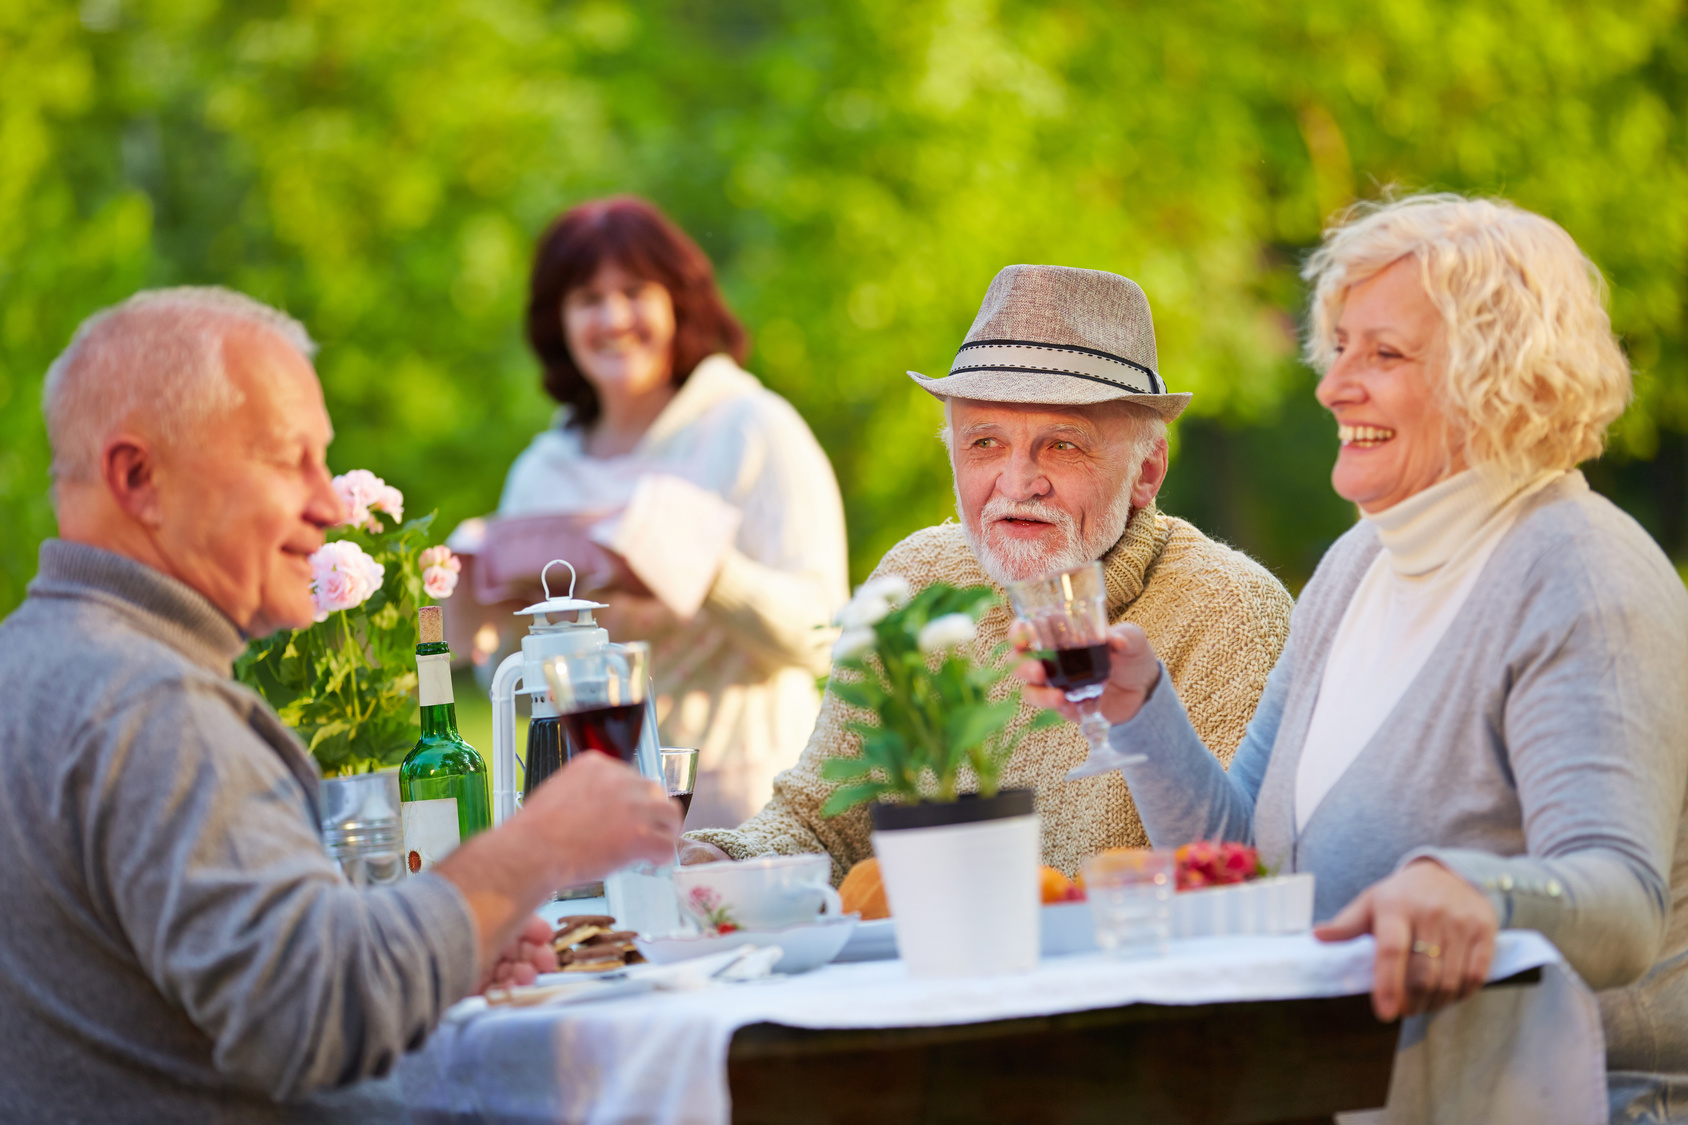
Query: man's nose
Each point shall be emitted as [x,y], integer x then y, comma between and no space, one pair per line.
[1024,479]
[325,509]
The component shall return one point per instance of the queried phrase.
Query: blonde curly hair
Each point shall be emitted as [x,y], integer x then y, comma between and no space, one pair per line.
[1533,375]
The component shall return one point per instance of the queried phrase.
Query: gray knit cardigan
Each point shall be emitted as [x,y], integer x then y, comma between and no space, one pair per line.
[1541,752]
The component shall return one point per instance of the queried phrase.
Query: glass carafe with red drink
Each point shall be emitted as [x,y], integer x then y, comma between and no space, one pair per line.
[1068,611]
[603,698]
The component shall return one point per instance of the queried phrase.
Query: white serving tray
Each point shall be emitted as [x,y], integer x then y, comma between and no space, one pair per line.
[1280,904]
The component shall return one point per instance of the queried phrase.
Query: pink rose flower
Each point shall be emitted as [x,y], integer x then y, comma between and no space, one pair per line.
[439,556]
[438,582]
[343,577]
[440,569]
[357,490]
[390,501]
[364,493]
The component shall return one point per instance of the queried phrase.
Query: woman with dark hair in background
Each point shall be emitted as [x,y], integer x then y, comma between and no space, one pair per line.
[717,511]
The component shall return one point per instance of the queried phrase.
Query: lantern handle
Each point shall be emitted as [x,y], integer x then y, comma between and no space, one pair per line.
[573,577]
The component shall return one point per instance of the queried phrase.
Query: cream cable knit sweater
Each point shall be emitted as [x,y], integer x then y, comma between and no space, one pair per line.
[1216,618]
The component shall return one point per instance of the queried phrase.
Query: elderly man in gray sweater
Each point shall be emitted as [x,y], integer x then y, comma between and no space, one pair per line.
[175,944]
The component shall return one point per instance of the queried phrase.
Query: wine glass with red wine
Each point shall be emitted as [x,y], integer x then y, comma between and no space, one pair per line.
[1069,613]
[679,776]
[600,696]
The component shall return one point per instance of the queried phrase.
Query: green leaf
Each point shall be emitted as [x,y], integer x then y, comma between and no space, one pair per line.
[849,796]
[846,769]
[973,726]
[882,746]
[859,693]
[1043,720]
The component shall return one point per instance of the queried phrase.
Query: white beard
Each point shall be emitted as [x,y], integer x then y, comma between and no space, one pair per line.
[1013,560]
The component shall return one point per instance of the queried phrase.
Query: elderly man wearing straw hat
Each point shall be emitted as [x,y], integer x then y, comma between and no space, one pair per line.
[1055,418]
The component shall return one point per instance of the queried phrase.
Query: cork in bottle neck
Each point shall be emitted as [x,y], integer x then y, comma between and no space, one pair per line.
[430,625]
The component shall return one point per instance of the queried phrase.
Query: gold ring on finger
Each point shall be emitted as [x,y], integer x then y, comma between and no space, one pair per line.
[1428,948]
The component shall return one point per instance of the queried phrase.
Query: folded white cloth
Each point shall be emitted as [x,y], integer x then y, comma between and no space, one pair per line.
[662,1058]
[674,536]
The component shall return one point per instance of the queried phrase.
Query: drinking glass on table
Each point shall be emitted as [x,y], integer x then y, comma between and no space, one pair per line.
[1130,892]
[679,776]
[1068,612]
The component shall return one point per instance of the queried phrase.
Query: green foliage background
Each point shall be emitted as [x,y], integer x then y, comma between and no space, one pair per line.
[858,169]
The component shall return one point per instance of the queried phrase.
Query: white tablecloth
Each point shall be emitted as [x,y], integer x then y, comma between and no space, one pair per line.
[661,1057]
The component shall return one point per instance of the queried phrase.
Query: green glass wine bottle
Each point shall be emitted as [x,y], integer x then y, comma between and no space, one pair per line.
[445,792]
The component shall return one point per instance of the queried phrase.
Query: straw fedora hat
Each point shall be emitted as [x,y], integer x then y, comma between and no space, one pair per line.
[1063,337]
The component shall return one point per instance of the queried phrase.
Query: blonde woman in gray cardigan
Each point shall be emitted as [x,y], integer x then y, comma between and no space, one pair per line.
[1480,719]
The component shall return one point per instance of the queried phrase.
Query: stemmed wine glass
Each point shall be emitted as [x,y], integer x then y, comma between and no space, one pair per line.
[679,776]
[1068,612]
[601,697]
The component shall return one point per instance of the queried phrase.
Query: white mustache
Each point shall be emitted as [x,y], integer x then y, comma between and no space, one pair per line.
[1000,508]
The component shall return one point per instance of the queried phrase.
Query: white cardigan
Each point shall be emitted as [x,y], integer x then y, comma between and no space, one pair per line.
[737,680]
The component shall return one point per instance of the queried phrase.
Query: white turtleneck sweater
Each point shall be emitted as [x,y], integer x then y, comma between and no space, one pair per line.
[1434,546]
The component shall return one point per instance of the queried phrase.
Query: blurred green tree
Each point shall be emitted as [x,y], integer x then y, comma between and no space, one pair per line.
[858,170]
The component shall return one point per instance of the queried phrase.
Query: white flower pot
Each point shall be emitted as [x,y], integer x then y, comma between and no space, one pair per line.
[962,883]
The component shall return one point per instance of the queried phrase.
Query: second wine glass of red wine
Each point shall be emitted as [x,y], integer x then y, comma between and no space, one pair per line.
[679,776]
[1068,611]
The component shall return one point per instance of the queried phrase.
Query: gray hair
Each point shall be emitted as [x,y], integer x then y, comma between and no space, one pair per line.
[159,355]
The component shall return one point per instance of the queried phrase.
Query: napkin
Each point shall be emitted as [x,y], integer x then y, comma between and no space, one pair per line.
[674,536]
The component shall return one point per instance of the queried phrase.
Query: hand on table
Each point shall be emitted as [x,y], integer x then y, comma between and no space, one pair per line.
[520,962]
[1133,670]
[1435,938]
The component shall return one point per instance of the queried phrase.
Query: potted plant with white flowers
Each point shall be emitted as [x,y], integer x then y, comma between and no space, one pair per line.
[960,870]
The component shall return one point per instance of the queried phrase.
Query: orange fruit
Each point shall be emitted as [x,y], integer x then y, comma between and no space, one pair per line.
[863,893]
[1055,886]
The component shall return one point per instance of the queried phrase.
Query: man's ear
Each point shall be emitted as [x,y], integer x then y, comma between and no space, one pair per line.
[129,468]
[1151,476]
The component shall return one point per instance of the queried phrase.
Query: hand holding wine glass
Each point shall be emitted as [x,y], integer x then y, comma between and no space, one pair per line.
[1066,615]
[1133,669]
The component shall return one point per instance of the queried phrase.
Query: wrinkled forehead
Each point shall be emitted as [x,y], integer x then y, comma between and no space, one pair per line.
[1091,419]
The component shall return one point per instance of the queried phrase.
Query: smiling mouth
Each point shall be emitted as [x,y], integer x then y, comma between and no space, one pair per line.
[1365,437]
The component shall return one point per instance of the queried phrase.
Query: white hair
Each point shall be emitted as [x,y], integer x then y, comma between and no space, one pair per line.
[156,358]
[1016,561]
